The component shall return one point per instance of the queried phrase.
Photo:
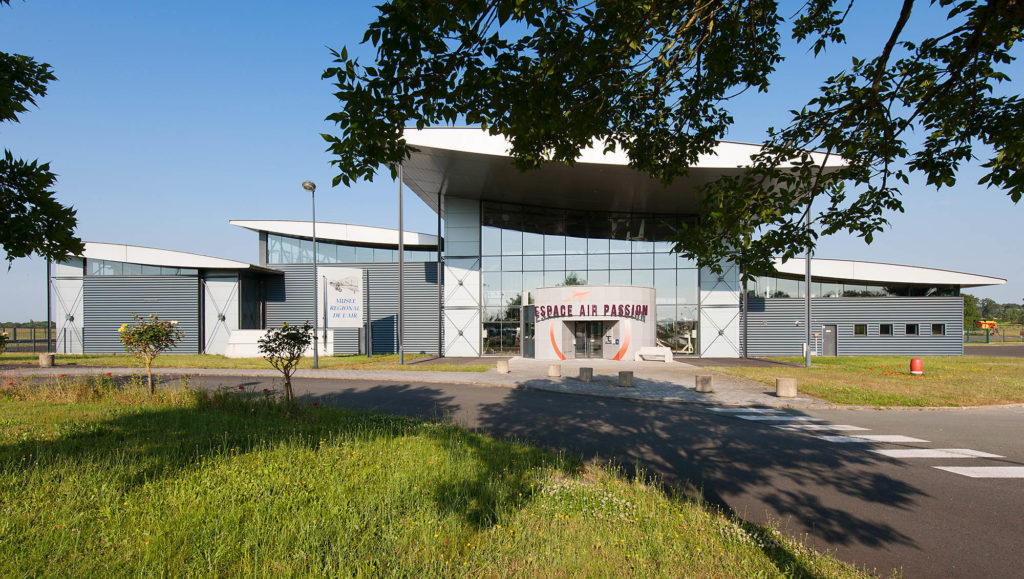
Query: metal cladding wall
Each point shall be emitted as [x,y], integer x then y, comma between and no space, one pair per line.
[772,328]
[290,299]
[109,301]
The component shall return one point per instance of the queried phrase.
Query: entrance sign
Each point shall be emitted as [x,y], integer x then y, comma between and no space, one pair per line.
[610,322]
[344,303]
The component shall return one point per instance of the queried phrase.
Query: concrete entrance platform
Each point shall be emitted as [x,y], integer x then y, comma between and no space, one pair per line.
[669,382]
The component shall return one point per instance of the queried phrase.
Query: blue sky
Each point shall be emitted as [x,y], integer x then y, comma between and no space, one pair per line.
[169,119]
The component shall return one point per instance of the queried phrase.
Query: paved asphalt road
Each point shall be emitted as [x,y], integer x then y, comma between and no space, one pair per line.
[1009,350]
[870,509]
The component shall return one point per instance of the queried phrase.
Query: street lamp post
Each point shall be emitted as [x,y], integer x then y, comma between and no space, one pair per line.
[311,187]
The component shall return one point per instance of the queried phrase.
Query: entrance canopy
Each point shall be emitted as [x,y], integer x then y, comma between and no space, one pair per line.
[469,163]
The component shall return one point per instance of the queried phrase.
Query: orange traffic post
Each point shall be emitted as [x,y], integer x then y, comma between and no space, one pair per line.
[916,366]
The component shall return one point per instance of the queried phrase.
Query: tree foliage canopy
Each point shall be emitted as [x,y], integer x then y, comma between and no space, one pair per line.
[655,80]
[31,219]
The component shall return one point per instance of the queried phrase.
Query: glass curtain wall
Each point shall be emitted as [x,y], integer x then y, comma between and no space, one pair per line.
[769,287]
[524,248]
[284,250]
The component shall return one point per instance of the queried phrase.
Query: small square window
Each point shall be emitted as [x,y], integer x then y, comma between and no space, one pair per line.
[860,329]
[938,329]
[884,329]
[911,329]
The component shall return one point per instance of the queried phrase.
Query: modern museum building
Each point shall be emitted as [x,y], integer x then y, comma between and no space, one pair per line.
[555,263]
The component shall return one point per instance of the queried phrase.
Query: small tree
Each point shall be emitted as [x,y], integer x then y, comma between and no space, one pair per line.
[283,348]
[3,341]
[148,338]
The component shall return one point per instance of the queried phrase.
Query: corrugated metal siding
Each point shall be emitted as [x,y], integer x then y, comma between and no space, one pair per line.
[346,341]
[290,299]
[110,300]
[772,328]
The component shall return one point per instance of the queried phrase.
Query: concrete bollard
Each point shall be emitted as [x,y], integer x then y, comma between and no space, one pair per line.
[586,374]
[554,370]
[626,379]
[785,387]
[502,367]
[45,360]
[704,383]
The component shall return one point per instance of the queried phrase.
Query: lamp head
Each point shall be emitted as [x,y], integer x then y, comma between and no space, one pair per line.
[309,186]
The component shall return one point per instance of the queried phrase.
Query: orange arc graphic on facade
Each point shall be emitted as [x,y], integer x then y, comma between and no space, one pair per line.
[622,350]
[554,344]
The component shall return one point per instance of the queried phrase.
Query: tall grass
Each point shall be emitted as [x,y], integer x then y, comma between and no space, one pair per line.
[237,484]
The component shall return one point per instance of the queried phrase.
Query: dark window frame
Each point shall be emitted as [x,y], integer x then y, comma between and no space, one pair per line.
[942,329]
[881,327]
[916,332]
[863,327]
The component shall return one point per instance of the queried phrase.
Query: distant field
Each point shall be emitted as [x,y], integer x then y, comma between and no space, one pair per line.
[886,380]
[208,361]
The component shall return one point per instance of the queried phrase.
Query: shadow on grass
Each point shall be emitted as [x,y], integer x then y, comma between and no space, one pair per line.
[145,443]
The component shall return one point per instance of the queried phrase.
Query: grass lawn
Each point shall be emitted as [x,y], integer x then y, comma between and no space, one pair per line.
[886,380]
[379,362]
[192,484]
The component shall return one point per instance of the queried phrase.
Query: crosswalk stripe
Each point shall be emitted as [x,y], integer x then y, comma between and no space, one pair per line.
[747,410]
[934,453]
[818,427]
[872,438]
[769,418]
[986,471]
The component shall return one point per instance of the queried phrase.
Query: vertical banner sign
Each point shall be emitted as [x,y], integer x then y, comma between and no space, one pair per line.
[344,303]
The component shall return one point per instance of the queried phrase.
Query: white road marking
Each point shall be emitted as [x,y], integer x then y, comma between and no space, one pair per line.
[818,427]
[935,453]
[748,410]
[872,438]
[777,417]
[986,471]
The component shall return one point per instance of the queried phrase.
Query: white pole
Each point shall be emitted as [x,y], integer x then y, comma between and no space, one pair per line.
[316,313]
[807,291]
[401,273]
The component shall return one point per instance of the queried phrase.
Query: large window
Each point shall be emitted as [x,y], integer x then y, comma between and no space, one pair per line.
[778,287]
[524,248]
[282,249]
[104,267]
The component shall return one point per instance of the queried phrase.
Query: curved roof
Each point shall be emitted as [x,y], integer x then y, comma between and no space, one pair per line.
[355,234]
[162,257]
[871,272]
[468,162]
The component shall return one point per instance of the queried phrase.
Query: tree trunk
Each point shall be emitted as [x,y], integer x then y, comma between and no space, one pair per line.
[149,378]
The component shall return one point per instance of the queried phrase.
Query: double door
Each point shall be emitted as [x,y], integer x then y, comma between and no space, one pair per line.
[588,339]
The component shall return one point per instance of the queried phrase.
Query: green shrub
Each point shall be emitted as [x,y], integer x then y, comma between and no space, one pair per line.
[283,348]
[148,338]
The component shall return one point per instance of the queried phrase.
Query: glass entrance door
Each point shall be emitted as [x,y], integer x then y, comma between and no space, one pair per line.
[588,339]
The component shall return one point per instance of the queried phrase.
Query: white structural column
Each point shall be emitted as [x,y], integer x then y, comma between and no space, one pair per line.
[220,311]
[720,312]
[68,305]
[461,277]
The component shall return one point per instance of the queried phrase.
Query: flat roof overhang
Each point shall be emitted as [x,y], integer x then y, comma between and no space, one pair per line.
[469,163]
[364,235]
[167,258]
[844,270]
